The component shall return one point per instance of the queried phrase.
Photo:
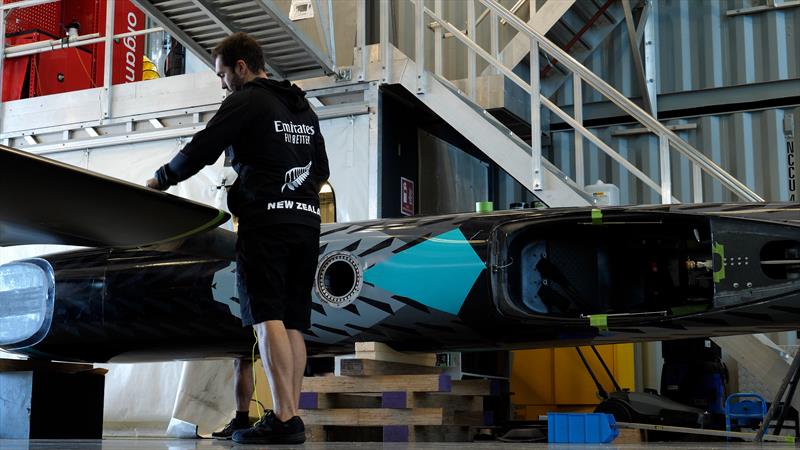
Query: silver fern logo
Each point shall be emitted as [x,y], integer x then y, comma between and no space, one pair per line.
[295,177]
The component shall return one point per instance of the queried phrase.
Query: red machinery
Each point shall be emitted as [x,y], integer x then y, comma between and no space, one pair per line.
[75,68]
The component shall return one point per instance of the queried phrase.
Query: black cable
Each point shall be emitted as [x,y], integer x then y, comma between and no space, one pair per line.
[600,391]
[602,361]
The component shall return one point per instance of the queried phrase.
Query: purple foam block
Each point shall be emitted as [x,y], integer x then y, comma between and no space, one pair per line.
[445,383]
[309,400]
[394,400]
[395,433]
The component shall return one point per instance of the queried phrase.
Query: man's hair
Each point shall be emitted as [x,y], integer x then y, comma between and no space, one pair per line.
[240,46]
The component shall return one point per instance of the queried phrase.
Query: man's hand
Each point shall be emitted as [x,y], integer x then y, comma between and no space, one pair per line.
[152,183]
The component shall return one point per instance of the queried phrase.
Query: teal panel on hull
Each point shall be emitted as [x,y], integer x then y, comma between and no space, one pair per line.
[438,273]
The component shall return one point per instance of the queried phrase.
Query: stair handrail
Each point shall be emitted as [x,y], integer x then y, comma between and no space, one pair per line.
[650,122]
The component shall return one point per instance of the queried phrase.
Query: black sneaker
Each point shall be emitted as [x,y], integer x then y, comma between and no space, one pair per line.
[232,426]
[270,430]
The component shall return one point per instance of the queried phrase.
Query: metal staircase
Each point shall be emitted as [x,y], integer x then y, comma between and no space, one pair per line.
[430,74]
[201,24]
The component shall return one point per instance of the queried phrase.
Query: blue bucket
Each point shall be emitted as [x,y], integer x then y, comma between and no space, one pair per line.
[587,428]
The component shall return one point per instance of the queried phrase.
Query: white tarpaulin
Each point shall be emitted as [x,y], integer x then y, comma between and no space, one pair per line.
[143,399]
[347,141]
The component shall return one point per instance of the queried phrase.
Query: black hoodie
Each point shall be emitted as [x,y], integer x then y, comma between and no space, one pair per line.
[272,135]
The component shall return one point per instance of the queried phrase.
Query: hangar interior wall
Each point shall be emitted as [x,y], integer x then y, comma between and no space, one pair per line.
[699,48]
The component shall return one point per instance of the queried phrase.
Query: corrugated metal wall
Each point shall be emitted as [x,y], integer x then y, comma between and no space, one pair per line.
[750,145]
[700,47]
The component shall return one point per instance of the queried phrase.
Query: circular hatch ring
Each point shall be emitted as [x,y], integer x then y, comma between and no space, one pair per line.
[339,279]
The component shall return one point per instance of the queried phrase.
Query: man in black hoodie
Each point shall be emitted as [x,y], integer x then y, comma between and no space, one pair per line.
[273,137]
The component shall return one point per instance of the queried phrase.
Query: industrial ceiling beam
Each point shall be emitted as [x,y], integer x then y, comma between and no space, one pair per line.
[229,27]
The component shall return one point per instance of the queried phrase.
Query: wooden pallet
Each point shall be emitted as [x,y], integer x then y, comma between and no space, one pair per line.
[422,407]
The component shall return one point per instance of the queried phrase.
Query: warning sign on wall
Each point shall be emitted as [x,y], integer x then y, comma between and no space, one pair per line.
[406,197]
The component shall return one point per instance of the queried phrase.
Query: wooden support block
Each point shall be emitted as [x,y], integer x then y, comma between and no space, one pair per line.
[315,433]
[393,411]
[374,416]
[392,401]
[366,367]
[315,400]
[381,383]
[452,402]
[382,352]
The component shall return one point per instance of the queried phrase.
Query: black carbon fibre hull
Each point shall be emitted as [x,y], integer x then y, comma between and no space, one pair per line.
[448,283]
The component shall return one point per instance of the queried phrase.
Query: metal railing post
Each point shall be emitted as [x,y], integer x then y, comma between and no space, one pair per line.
[536,120]
[419,41]
[697,184]
[650,56]
[108,60]
[361,38]
[437,41]
[666,172]
[332,34]
[494,30]
[472,64]
[577,101]
[386,48]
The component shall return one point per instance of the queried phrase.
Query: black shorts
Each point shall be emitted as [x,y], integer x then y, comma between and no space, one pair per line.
[275,273]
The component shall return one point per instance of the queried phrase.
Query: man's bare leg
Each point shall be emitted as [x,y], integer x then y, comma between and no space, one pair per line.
[243,383]
[298,345]
[243,392]
[276,354]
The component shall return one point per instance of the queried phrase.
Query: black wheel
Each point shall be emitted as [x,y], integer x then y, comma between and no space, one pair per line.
[620,411]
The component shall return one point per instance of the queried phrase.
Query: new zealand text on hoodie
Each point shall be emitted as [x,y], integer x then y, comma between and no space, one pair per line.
[272,137]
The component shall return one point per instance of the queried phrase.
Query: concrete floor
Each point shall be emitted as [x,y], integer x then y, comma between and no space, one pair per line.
[208,444]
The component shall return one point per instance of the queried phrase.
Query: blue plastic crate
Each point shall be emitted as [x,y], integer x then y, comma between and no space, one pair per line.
[589,428]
